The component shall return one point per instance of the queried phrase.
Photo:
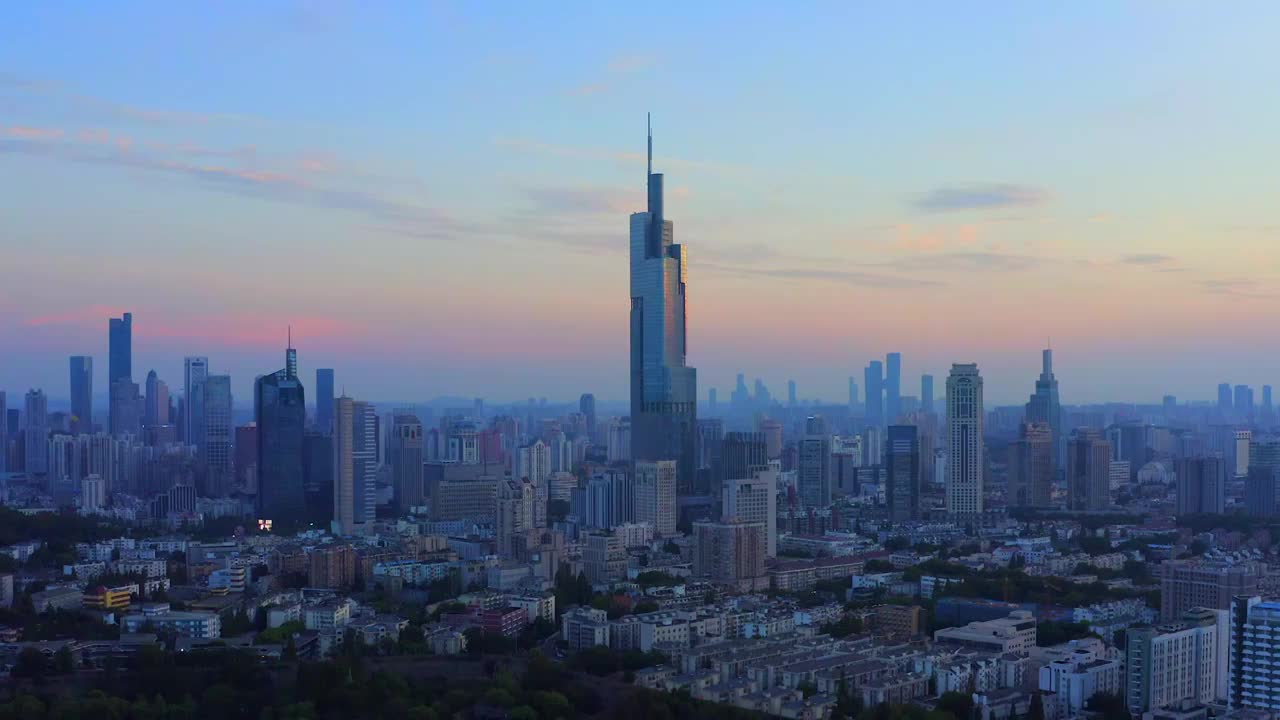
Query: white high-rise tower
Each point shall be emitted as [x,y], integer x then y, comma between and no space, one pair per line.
[965,445]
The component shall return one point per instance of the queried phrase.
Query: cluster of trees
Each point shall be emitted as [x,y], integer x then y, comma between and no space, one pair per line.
[1051,633]
[845,626]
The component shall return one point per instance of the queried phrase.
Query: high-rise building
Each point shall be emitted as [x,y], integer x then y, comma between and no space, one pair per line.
[1266,400]
[813,472]
[1088,471]
[618,446]
[120,359]
[853,392]
[1174,662]
[344,468]
[407,461]
[655,489]
[246,457]
[324,400]
[1202,485]
[1031,466]
[1243,402]
[772,431]
[1262,483]
[587,406]
[533,461]
[1189,584]
[364,454]
[926,393]
[966,446]
[754,499]
[791,393]
[280,411]
[1253,653]
[156,402]
[742,454]
[1044,407]
[81,394]
[1224,398]
[604,558]
[664,391]
[215,446]
[125,408]
[873,388]
[36,433]
[194,371]
[892,387]
[729,553]
[4,432]
[902,473]
[515,517]
[93,494]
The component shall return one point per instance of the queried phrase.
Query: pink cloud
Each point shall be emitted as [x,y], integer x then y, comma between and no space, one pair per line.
[33,133]
[81,317]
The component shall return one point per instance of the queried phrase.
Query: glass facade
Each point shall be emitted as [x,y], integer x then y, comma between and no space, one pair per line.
[280,405]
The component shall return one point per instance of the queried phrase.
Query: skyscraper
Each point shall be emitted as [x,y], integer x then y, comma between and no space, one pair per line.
[4,432]
[194,371]
[364,454]
[215,446]
[902,472]
[36,433]
[663,389]
[1202,485]
[344,505]
[120,359]
[1266,399]
[157,401]
[853,392]
[873,388]
[1243,403]
[1088,471]
[965,446]
[655,491]
[280,411]
[324,400]
[587,406]
[1031,466]
[1044,407]
[813,472]
[892,387]
[407,460]
[742,455]
[125,405]
[791,393]
[754,499]
[926,393]
[1224,398]
[81,394]
[149,409]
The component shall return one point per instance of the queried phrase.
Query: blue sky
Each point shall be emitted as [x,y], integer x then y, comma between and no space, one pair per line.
[435,194]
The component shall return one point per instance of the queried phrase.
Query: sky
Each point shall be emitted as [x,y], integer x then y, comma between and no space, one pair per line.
[435,196]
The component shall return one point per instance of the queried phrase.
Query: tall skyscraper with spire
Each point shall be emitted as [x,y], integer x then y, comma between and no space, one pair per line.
[664,390]
[1043,407]
[280,409]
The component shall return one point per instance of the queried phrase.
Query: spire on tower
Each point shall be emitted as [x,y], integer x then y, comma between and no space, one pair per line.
[648,118]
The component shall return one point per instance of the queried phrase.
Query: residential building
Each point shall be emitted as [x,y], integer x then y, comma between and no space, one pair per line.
[1031,466]
[656,484]
[1195,583]
[1088,471]
[754,500]
[1171,663]
[730,553]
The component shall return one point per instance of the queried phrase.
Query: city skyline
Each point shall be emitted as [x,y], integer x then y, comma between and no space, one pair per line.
[1054,207]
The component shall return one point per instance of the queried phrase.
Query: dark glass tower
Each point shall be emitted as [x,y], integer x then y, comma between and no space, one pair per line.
[664,390]
[902,472]
[873,387]
[324,400]
[281,411]
[892,387]
[120,359]
[1043,407]
[81,394]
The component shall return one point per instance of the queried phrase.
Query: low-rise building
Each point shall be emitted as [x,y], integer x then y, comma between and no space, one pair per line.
[1013,634]
[199,625]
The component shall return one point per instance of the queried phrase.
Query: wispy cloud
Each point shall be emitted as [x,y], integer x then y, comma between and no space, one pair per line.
[621,157]
[965,261]
[615,68]
[848,277]
[1237,287]
[88,108]
[588,89]
[980,197]
[1146,259]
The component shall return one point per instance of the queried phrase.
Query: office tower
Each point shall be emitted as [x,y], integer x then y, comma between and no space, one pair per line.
[608,500]
[926,393]
[892,387]
[791,393]
[157,401]
[1044,407]
[194,371]
[853,392]
[872,446]
[772,431]
[1031,466]
[317,477]
[1266,399]
[364,454]
[655,489]
[1189,584]
[729,553]
[1088,471]
[1243,403]
[813,473]
[754,499]
[125,407]
[215,446]
[280,411]
[1243,441]
[966,446]
[81,394]
[604,558]
[1224,398]
[742,454]
[120,359]
[873,388]
[902,473]
[93,495]
[1202,485]
[149,411]
[846,458]
[344,491]
[324,400]
[246,457]
[36,433]
[407,461]
[664,390]
[1174,662]
[1262,484]
[587,406]
[514,518]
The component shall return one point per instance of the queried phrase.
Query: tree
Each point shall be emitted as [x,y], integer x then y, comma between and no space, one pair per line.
[1110,705]
[31,664]
[63,662]
[808,688]
[290,651]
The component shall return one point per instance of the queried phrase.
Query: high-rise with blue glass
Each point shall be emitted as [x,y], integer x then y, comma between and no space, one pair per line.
[280,409]
[663,389]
